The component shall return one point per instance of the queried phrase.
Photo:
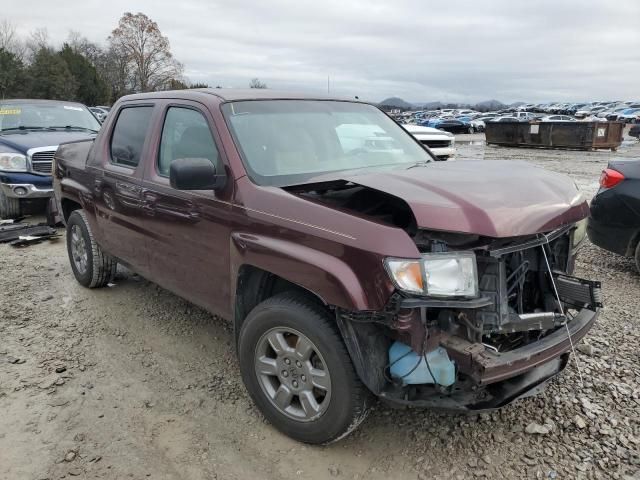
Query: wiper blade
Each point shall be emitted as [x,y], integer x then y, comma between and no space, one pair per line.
[13,129]
[419,164]
[73,127]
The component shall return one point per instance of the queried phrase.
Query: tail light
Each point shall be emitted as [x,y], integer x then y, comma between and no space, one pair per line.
[610,178]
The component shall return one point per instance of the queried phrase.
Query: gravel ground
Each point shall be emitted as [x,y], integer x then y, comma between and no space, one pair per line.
[133,382]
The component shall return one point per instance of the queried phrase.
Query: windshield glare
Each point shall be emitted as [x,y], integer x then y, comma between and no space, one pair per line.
[284,142]
[45,115]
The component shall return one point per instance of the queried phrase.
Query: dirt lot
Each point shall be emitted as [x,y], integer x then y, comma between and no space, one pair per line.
[133,382]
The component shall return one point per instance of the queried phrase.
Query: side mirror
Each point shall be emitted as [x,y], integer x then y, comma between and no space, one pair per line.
[195,174]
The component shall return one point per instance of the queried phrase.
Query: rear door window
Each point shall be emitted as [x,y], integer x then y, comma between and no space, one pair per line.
[129,134]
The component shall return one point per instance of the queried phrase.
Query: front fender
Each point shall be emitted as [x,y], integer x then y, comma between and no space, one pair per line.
[326,275]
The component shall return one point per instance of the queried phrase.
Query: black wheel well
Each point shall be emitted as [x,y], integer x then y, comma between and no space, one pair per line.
[633,244]
[254,285]
[68,206]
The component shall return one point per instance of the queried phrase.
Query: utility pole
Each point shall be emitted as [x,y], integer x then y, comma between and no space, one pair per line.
[328,84]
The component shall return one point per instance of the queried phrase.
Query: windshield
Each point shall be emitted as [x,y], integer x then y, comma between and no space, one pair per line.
[284,142]
[41,115]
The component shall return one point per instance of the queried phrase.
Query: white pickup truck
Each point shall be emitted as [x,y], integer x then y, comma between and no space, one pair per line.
[442,144]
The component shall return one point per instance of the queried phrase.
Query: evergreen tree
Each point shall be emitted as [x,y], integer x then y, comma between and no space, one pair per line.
[91,88]
[49,77]
[11,75]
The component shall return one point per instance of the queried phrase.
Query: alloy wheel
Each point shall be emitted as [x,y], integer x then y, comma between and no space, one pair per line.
[293,374]
[79,252]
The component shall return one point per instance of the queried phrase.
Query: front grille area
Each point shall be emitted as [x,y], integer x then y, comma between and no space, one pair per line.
[518,283]
[436,143]
[41,161]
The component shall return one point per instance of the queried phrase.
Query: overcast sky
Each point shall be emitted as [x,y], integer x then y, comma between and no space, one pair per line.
[419,50]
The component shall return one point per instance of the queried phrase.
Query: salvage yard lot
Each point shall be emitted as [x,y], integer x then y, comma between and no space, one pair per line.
[133,382]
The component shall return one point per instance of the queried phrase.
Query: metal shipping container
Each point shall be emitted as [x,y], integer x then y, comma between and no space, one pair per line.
[574,135]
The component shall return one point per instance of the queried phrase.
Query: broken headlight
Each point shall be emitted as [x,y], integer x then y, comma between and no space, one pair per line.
[13,162]
[448,274]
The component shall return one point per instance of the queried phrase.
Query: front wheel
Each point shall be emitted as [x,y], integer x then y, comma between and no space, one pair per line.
[297,370]
[9,207]
[91,266]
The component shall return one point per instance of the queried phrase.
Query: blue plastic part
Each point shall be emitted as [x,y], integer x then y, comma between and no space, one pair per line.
[444,370]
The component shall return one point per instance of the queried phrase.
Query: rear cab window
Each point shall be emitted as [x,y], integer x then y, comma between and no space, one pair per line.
[129,135]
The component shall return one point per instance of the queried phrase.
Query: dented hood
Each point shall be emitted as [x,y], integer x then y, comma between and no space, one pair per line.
[490,198]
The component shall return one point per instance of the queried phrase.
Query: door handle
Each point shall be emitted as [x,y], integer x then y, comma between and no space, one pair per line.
[149,200]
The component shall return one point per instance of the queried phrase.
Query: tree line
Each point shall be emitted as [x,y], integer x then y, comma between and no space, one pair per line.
[135,58]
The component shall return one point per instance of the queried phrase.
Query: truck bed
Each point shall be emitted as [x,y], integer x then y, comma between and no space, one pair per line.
[73,155]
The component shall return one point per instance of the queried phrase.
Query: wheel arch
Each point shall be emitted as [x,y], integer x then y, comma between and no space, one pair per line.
[264,266]
[253,285]
[68,206]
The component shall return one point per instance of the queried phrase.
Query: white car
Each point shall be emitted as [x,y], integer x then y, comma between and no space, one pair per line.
[557,118]
[442,144]
[587,111]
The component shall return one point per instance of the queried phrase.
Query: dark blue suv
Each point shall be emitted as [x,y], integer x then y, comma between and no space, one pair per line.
[30,132]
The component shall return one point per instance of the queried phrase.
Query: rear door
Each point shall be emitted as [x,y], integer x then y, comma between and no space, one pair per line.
[118,189]
[189,248]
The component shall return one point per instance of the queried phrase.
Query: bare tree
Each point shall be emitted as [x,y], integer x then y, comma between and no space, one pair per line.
[9,40]
[146,51]
[38,40]
[80,44]
[256,83]
[113,66]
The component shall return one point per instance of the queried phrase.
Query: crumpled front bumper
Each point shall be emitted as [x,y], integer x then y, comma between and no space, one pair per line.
[498,379]
[486,367]
[491,379]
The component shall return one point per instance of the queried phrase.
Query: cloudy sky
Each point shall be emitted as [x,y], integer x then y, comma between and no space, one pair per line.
[419,50]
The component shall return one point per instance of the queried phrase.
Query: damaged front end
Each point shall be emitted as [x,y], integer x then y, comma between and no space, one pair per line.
[488,343]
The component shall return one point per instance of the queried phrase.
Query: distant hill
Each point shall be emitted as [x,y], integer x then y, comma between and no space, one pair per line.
[490,105]
[396,103]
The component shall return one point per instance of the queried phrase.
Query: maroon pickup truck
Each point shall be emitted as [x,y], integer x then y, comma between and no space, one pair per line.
[351,264]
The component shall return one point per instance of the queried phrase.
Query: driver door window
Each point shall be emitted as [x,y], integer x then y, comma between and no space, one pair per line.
[185,134]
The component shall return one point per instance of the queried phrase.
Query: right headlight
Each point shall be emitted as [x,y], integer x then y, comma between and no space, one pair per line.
[13,162]
[447,274]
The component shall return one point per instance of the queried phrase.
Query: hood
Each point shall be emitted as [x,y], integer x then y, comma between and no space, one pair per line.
[21,141]
[490,198]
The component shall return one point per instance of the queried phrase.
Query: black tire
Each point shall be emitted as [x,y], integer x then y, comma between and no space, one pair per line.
[100,268]
[349,400]
[9,207]
[637,257]
[472,130]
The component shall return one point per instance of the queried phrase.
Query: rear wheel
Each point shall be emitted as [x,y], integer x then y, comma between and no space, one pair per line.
[9,207]
[637,256]
[91,266]
[298,372]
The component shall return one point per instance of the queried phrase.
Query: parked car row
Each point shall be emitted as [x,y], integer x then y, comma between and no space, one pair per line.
[470,121]
[627,111]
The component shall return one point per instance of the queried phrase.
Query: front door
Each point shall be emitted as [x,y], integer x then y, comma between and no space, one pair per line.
[189,248]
